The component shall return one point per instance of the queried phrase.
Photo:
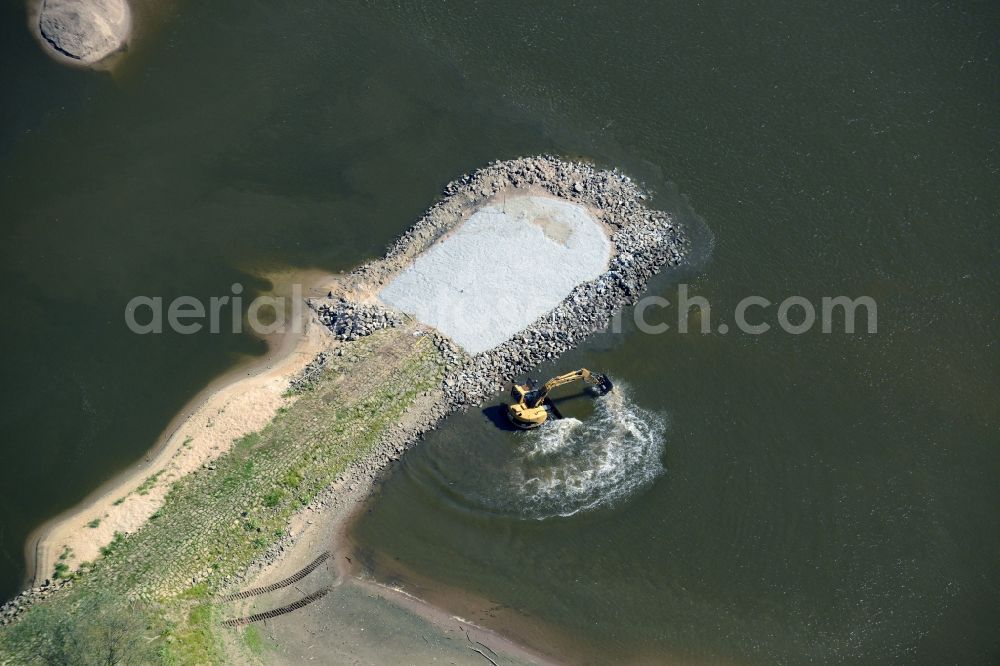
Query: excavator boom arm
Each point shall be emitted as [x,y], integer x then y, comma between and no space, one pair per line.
[578,375]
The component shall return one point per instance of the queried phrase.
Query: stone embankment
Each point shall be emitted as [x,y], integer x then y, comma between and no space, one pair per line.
[10,610]
[350,321]
[644,240]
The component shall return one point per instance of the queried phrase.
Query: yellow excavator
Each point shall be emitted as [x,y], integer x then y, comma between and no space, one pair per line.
[532,407]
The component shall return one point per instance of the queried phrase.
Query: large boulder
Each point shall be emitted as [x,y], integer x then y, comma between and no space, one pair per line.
[85,30]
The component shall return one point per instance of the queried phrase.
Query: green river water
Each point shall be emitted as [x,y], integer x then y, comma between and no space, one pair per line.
[775,498]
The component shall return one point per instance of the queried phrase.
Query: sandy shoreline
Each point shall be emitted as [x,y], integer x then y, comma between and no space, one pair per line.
[239,402]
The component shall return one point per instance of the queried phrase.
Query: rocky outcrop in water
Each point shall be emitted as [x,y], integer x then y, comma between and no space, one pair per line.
[85,30]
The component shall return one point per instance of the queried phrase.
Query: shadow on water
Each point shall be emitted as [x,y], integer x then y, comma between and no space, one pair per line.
[497,414]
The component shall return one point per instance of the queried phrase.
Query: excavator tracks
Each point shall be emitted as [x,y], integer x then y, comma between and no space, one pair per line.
[294,578]
[267,615]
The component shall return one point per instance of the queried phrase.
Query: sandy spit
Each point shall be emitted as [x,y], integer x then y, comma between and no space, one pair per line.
[236,404]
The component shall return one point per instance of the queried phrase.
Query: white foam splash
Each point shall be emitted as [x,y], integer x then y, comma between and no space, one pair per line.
[568,466]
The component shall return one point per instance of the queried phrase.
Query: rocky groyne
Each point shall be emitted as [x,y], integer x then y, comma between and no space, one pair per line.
[644,240]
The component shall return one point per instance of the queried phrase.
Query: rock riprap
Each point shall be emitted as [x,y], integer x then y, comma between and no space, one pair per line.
[85,30]
[350,321]
[642,241]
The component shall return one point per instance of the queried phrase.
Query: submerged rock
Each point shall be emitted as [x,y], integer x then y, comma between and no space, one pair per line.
[85,30]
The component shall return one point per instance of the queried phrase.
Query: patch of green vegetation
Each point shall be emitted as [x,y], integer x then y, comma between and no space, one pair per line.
[273,498]
[97,628]
[254,640]
[195,640]
[94,523]
[116,542]
[148,484]
[247,442]
[66,554]
[292,478]
[61,571]
[199,592]
[119,501]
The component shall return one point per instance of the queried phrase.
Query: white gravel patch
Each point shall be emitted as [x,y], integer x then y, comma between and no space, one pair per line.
[509,263]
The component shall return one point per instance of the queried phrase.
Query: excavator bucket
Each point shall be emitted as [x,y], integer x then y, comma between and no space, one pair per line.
[604,384]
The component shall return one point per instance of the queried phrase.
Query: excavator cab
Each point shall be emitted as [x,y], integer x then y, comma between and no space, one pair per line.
[531,406]
[529,392]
